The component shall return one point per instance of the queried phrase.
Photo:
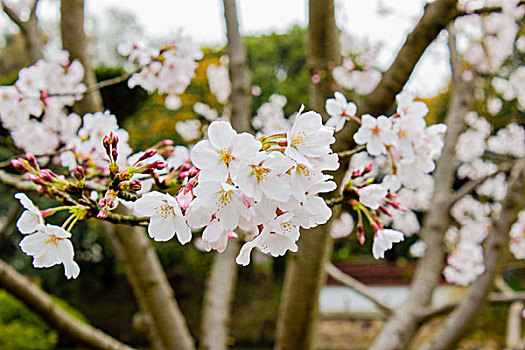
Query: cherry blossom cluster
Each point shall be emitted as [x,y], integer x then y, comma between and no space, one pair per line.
[219,80]
[401,150]
[517,237]
[270,117]
[490,38]
[268,187]
[167,70]
[33,108]
[357,71]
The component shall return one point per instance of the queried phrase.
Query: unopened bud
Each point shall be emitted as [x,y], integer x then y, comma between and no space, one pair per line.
[114,154]
[158,164]
[369,167]
[32,160]
[361,234]
[47,175]
[79,173]
[135,185]
[357,173]
[106,143]
[102,214]
[20,164]
[147,154]
[164,143]
[36,180]
[385,210]
[114,139]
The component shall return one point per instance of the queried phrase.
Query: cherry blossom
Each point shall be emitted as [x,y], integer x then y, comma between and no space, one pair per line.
[340,111]
[49,246]
[165,215]
[375,133]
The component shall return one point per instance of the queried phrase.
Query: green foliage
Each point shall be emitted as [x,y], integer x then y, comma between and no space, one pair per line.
[278,64]
[21,329]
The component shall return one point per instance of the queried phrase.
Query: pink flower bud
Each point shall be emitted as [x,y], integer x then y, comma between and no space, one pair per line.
[114,139]
[32,160]
[158,164]
[361,234]
[47,175]
[79,173]
[148,154]
[20,164]
[36,180]
[184,198]
[135,185]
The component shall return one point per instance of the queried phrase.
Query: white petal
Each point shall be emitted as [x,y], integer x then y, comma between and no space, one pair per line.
[182,230]
[221,134]
[28,222]
[161,229]
[71,269]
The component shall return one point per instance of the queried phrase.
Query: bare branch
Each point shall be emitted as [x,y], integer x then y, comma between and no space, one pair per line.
[483,10]
[42,304]
[494,298]
[13,17]
[354,284]
[351,152]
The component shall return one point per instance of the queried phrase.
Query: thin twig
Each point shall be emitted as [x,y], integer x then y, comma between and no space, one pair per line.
[350,152]
[354,284]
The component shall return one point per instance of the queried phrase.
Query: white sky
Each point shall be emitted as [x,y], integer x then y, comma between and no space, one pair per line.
[203,21]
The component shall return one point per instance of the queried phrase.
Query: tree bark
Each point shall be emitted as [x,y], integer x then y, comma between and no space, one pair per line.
[41,303]
[29,29]
[397,331]
[152,289]
[456,323]
[305,273]
[218,298]
[75,41]
[240,75]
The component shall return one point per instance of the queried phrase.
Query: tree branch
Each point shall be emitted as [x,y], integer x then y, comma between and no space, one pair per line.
[354,284]
[42,304]
[495,298]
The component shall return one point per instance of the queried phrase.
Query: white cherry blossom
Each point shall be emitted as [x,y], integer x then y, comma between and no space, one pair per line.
[165,215]
[49,246]
[375,133]
[339,110]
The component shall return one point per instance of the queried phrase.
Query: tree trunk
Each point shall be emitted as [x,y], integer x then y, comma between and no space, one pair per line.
[305,273]
[74,40]
[218,299]
[152,289]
